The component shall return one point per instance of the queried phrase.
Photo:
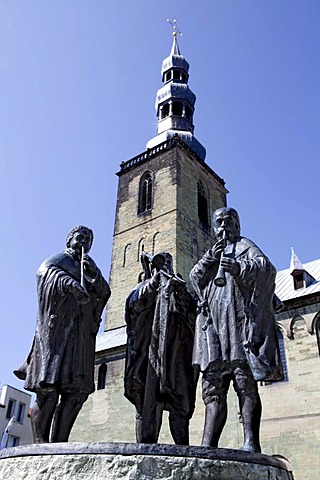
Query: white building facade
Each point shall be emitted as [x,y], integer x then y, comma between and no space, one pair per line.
[14,402]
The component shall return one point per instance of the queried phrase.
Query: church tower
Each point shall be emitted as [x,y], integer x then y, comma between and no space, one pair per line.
[165,201]
[167,194]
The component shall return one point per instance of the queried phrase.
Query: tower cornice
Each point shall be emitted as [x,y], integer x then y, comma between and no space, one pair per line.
[172,142]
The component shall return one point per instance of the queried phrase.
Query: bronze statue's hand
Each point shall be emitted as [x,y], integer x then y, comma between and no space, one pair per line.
[230,265]
[79,293]
[218,248]
[90,268]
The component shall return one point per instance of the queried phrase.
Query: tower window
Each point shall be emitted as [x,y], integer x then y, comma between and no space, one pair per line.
[165,110]
[176,74]
[102,376]
[183,77]
[168,76]
[188,113]
[177,109]
[202,207]
[145,193]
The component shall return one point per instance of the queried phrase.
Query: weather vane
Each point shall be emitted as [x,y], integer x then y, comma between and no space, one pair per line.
[176,31]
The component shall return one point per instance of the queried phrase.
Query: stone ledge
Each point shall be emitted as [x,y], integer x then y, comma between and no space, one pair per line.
[103,460]
[94,448]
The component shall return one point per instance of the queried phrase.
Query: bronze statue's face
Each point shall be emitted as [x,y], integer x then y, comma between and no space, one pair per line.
[81,238]
[168,266]
[225,220]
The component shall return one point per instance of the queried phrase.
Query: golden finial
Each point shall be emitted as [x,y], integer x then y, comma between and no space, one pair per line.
[176,31]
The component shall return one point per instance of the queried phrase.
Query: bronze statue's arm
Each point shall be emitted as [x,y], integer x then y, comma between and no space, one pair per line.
[204,271]
[145,295]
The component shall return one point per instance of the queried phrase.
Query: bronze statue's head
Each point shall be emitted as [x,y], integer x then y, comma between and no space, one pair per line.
[226,219]
[163,261]
[80,236]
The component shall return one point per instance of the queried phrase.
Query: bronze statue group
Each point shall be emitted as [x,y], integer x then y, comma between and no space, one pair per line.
[226,330]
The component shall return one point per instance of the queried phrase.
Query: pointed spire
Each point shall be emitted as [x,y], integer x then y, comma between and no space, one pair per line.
[295,263]
[175,100]
[175,50]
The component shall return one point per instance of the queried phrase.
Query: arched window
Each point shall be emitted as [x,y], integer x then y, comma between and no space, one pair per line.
[154,238]
[140,248]
[125,252]
[145,193]
[195,251]
[202,207]
[102,377]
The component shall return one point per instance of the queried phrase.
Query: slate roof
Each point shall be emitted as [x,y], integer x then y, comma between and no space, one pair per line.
[117,337]
[111,339]
[285,285]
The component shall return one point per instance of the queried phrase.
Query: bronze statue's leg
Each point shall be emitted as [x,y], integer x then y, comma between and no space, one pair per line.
[138,427]
[152,409]
[215,419]
[42,414]
[66,414]
[215,387]
[250,408]
[179,428]
[151,422]
[251,414]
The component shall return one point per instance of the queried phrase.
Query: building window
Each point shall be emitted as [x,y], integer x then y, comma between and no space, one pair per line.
[102,377]
[145,193]
[317,330]
[283,359]
[13,441]
[11,408]
[283,356]
[298,280]
[20,413]
[202,207]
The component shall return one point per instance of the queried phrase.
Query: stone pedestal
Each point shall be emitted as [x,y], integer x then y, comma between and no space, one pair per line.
[115,461]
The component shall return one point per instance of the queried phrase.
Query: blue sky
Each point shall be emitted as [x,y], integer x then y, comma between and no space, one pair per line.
[78,80]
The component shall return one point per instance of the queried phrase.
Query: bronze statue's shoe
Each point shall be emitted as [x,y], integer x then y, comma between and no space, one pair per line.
[251,447]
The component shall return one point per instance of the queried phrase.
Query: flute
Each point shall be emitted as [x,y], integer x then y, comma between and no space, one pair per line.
[82,280]
[220,279]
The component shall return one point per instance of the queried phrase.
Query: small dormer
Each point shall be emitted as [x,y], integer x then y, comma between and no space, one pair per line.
[301,278]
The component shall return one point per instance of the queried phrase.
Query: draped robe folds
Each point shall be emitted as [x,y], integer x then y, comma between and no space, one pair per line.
[63,349]
[237,313]
[159,348]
